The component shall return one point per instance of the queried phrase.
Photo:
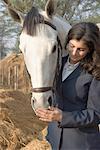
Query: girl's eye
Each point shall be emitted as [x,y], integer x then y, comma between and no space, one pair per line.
[71,46]
[54,49]
[82,50]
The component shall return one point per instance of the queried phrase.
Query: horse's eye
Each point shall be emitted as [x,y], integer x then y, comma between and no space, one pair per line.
[54,49]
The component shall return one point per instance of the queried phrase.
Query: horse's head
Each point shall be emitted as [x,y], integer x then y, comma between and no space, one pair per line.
[41,40]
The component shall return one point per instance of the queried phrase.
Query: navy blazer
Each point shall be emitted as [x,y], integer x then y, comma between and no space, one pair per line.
[79,98]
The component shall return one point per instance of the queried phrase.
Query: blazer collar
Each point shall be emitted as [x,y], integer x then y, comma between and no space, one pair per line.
[74,74]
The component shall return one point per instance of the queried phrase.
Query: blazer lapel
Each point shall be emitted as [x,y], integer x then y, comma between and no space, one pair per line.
[64,60]
[75,73]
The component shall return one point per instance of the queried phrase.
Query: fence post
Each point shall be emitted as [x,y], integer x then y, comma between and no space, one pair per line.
[9,79]
[15,77]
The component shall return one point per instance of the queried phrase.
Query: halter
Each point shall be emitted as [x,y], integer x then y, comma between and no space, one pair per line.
[45,89]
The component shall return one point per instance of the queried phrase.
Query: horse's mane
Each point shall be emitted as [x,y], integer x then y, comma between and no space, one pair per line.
[31,20]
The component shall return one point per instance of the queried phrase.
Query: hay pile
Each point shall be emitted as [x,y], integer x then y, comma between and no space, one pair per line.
[13,73]
[20,129]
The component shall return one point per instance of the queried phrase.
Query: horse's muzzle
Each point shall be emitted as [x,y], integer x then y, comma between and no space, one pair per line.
[35,105]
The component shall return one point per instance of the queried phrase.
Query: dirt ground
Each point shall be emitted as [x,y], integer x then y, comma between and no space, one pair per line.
[20,129]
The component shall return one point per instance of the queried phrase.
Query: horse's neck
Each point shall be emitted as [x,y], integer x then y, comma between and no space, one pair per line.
[63,27]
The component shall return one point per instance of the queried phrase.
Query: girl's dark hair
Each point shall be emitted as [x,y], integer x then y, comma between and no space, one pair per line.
[90,34]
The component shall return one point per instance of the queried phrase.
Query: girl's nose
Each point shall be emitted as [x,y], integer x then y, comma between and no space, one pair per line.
[74,51]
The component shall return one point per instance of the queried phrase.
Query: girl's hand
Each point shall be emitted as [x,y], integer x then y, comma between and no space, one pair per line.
[49,115]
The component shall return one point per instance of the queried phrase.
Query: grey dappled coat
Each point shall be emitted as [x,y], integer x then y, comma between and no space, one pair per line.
[79,98]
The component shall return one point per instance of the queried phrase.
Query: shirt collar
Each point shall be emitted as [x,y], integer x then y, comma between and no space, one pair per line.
[72,65]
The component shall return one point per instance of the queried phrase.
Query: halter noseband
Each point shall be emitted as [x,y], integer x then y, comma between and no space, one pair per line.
[41,89]
[45,89]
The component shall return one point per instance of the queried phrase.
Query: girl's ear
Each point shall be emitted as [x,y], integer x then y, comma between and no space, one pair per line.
[50,8]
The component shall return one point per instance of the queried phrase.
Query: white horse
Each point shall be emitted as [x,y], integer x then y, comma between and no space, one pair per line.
[42,38]
[98,24]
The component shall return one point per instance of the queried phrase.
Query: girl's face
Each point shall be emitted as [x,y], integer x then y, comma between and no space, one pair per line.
[77,50]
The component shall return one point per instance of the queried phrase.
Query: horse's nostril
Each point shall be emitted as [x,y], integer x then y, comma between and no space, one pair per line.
[50,101]
[32,102]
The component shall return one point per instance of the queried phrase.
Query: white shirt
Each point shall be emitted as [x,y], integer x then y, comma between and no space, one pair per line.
[68,69]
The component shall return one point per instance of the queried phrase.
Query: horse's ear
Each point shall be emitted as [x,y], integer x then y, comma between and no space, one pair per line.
[6,2]
[50,8]
[16,15]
